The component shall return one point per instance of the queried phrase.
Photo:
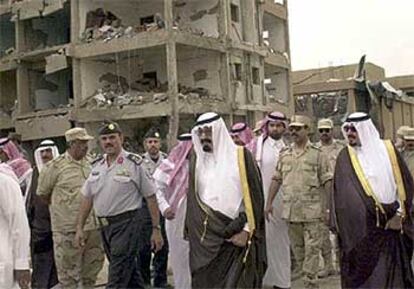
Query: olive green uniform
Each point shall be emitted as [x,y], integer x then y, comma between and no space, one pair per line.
[332,152]
[62,180]
[302,175]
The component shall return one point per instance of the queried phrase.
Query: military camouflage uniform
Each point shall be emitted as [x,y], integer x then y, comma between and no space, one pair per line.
[302,176]
[332,152]
[408,157]
[160,261]
[62,180]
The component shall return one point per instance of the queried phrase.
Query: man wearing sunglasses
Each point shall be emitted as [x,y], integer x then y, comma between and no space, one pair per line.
[371,209]
[331,147]
[302,173]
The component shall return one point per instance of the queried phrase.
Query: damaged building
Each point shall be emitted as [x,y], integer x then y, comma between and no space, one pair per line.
[337,90]
[140,62]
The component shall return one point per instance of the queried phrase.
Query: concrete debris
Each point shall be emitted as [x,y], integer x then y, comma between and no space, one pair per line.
[56,62]
[195,22]
[103,25]
[323,105]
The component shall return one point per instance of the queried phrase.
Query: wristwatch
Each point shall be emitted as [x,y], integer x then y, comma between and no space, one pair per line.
[157,227]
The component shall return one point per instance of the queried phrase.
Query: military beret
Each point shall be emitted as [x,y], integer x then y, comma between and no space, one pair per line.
[109,127]
[152,133]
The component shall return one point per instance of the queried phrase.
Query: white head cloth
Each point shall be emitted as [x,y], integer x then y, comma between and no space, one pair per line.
[44,145]
[217,173]
[373,157]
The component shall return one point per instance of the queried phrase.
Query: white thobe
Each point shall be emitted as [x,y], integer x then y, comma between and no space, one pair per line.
[15,232]
[179,248]
[277,237]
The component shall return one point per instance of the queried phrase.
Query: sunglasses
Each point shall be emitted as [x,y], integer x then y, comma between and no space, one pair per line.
[295,128]
[322,130]
[349,128]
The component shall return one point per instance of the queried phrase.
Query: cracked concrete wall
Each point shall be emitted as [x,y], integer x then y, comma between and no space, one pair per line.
[49,91]
[130,66]
[129,12]
[198,16]
[191,60]
[277,90]
[7,33]
[276,31]
[42,128]
[48,31]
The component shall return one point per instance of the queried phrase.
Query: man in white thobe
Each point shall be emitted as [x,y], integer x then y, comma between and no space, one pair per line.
[171,180]
[266,151]
[14,237]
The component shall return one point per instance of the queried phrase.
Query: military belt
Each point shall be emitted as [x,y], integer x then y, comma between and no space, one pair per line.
[105,221]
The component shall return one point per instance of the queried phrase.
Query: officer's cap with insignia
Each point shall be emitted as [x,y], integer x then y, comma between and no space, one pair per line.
[109,127]
[152,133]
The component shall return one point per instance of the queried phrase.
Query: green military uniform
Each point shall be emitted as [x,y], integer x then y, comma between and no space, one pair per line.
[62,180]
[332,152]
[408,156]
[303,175]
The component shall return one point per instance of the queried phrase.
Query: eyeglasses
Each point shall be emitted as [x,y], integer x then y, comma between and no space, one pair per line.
[349,128]
[295,128]
[322,130]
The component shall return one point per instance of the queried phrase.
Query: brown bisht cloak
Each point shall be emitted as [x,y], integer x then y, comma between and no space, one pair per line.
[215,262]
[370,256]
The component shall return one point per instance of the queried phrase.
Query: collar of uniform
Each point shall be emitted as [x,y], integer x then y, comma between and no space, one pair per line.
[307,146]
[71,159]
[160,157]
[122,156]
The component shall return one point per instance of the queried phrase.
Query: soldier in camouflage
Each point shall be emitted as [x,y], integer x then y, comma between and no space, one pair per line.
[331,147]
[60,184]
[408,152]
[303,174]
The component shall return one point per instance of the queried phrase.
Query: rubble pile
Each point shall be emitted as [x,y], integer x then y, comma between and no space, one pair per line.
[104,25]
[115,91]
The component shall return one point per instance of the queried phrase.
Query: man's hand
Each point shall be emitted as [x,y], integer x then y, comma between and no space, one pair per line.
[169,214]
[268,212]
[395,223]
[156,240]
[79,240]
[22,277]
[240,239]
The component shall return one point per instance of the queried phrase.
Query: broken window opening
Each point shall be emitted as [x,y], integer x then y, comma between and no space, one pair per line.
[237,71]
[50,91]
[150,78]
[197,17]
[268,81]
[49,31]
[115,19]
[256,75]
[7,35]
[235,13]
[134,77]
[147,20]
[8,93]
[274,34]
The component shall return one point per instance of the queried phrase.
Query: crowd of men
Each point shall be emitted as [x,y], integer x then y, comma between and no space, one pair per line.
[226,208]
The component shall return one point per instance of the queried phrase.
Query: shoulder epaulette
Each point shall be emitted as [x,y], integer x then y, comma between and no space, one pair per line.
[135,158]
[96,160]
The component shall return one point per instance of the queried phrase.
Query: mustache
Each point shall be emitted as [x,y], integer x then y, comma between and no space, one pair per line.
[206,140]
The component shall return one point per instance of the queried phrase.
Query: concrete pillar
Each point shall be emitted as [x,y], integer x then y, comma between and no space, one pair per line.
[171,54]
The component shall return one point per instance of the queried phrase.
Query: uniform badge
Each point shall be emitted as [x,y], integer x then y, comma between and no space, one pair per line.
[120,160]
